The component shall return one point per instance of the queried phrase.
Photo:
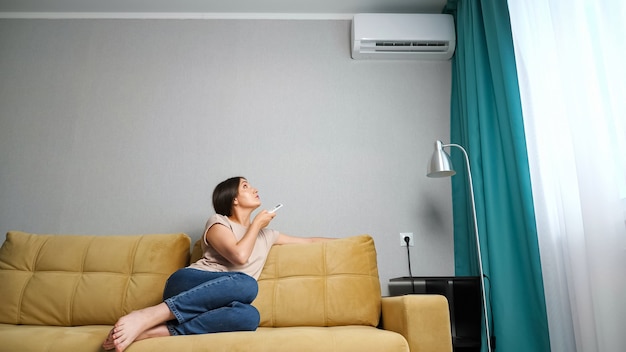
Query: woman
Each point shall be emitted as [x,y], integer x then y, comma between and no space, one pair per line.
[215,293]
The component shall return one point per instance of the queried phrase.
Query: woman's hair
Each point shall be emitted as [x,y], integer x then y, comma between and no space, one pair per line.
[224,195]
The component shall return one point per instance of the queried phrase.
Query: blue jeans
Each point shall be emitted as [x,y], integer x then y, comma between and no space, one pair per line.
[207,302]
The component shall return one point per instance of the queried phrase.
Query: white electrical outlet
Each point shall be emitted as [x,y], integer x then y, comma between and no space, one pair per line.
[410,236]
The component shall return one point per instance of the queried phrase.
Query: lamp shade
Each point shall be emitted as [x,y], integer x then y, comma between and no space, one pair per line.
[440,164]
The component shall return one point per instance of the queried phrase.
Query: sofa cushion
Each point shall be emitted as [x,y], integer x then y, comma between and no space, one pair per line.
[69,280]
[300,339]
[294,339]
[321,284]
[35,338]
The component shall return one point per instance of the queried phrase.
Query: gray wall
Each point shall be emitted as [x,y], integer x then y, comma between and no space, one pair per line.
[125,126]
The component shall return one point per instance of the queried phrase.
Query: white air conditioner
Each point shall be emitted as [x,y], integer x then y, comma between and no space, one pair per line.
[403,36]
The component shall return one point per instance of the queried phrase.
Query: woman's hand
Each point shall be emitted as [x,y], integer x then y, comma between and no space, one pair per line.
[263,219]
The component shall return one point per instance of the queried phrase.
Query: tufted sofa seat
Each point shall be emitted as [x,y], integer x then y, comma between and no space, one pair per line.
[63,293]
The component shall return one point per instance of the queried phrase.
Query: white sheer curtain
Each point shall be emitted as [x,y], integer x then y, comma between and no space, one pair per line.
[571,63]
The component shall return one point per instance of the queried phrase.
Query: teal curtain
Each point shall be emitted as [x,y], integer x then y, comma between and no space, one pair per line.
[486,118]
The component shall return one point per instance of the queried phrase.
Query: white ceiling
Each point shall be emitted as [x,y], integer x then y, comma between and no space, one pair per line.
[214,8]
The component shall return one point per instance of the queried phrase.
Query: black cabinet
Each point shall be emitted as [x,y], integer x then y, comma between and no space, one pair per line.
[464,300]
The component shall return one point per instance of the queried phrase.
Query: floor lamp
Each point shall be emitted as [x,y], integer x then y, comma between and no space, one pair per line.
[441,166]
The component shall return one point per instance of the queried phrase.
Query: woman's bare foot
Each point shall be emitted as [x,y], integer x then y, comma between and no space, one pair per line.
[108,343]
[138,325]
[157,331]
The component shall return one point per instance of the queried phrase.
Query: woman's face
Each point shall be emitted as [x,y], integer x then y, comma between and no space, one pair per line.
[247,196]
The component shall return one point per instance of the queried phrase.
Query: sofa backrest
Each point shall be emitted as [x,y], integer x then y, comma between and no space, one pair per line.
[69,280]
[320,284]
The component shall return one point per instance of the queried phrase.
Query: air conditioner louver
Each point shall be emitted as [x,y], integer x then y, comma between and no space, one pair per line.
[404,46]
[403,36]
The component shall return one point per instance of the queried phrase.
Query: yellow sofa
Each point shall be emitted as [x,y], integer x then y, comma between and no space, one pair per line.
[64,292]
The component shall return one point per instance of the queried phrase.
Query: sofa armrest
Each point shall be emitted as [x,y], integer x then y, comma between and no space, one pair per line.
[423,320]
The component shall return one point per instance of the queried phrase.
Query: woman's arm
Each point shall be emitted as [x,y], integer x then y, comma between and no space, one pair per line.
[223,240]
[286,239]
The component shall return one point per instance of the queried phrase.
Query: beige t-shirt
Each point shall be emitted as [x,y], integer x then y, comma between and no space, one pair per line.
[213,261]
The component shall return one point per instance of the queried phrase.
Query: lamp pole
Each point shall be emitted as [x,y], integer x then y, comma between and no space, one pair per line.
[441,166]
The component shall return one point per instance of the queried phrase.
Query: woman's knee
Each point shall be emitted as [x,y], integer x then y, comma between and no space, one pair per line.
[174,284]
[248,287]
[248,316]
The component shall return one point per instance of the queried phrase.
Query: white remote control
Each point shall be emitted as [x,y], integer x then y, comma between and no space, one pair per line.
[276,208]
